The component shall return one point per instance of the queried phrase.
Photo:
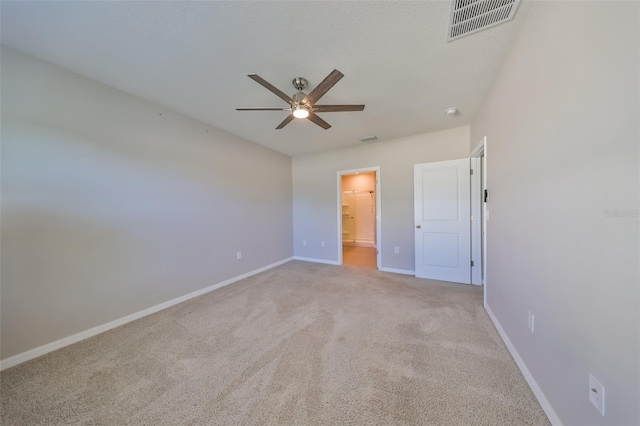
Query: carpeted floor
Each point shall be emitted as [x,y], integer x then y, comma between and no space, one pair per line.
[301,344]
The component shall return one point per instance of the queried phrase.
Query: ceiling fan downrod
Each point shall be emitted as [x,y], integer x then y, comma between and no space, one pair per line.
[300,110]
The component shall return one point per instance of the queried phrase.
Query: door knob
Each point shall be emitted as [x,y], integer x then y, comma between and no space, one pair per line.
[418,226]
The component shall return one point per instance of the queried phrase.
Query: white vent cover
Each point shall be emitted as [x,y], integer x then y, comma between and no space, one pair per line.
[471,16]
[368,138]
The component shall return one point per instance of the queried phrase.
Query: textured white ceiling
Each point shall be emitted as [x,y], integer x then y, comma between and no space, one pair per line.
[193,57]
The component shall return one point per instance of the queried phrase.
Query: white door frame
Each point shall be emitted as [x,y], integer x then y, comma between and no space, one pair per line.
[378,211]
[479,213]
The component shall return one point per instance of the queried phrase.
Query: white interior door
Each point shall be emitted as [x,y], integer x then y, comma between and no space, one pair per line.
[442,221]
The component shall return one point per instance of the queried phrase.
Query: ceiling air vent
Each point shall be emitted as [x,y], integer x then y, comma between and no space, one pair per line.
[368,138]
[471,16]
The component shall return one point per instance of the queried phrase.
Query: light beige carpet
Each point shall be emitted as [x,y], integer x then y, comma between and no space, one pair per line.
[300,344]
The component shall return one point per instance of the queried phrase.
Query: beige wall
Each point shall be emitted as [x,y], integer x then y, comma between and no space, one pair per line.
[562,123]
[359,182]
[315,208]
[111,204]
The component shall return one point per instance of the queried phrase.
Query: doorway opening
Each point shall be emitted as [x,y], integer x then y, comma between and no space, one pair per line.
[479,215]
[359,217]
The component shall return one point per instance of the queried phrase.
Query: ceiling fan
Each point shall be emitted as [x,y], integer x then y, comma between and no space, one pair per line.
[302,105]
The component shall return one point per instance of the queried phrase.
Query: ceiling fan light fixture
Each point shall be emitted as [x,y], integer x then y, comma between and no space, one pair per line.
[299,111]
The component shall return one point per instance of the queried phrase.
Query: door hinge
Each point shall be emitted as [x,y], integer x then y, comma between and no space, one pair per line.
[471,171]
[486,195]
[472,263]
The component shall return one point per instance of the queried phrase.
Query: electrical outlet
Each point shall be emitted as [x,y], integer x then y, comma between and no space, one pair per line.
[322,244]
[532,322]
[397,250]
[239,255]
[596,394]
[304,242]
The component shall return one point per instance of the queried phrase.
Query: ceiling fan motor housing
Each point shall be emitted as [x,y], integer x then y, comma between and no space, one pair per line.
[298,97]
[300,110]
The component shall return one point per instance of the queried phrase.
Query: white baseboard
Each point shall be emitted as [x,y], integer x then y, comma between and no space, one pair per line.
[66,341]
[542,399]
[398,271]
[309,259]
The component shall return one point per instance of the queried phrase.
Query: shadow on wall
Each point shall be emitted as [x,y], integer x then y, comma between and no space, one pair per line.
[91,233]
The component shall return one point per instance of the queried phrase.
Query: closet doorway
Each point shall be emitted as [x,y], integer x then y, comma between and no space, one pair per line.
[359,217]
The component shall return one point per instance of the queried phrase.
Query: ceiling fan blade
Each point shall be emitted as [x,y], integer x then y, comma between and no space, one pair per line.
[263,109]
[337,108]
[323,87]
[319,121]
[272,88]
[285,121]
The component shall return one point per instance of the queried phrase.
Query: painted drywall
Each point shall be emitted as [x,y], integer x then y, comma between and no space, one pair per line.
[562,127]
[359,182]
[112,204]
[315,192]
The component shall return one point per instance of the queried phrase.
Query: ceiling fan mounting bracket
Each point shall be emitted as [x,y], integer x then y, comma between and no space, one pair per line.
[300,83]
